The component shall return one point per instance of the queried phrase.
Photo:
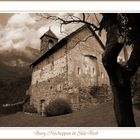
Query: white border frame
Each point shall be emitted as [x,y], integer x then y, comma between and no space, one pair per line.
[67,6]
[70,6]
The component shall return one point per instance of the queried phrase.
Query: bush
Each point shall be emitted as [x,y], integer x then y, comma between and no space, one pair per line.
[58,107]
[29,108]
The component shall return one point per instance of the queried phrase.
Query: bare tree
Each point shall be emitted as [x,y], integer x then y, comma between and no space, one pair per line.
[121,29]
[71,18]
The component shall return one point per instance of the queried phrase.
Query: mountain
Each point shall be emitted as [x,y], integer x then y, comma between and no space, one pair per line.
[15,63]
[15,73]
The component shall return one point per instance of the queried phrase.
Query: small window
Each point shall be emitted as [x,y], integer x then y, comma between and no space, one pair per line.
[79,70]
[86,69]
[42,101]
[93,71]
[52,65]
[102,75]
[50,41]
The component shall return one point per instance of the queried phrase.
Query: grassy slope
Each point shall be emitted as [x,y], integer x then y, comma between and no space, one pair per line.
[100,116]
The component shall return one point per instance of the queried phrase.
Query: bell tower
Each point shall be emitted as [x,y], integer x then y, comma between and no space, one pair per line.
[48,40]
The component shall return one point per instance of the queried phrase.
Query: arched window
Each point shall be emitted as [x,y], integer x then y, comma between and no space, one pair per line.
[79,70]
[50,43]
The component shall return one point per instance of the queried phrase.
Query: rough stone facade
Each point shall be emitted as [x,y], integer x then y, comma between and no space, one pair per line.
[69,69]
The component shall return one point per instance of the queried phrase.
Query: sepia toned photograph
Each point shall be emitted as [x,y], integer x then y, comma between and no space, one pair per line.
[69,70]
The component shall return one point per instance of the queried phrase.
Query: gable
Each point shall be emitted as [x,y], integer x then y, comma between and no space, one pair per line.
[76,36]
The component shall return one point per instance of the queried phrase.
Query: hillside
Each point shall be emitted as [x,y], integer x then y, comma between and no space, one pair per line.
[14,91]
[15,64]
[15,74]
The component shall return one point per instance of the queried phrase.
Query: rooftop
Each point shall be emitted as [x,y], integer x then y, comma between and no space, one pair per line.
[50,34]
[62,42]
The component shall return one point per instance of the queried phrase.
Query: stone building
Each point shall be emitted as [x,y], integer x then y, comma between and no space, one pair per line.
[68,69]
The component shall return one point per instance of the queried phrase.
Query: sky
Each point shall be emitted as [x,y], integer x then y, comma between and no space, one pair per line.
[4,18]
[21,30]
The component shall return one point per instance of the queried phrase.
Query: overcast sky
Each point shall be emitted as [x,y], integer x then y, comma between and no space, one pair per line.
[19,30]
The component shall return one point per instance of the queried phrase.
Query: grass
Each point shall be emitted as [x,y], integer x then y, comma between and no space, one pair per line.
[100,116]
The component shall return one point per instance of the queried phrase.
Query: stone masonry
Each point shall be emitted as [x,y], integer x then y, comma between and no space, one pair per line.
[68,69]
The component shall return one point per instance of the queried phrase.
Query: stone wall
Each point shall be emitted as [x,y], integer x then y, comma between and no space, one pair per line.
[50,71]
[70,72]
[49,79]
[85,71]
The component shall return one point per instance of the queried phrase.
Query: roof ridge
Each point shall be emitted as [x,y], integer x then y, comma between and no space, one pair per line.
[64,40]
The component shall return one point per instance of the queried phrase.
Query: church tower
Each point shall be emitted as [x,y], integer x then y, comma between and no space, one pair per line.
[48,40]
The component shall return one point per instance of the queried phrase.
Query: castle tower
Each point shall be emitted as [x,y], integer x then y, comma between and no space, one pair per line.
[48,40]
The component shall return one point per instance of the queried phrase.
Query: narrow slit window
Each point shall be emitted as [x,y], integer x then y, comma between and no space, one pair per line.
[93,71]
[79,70]
[102,75]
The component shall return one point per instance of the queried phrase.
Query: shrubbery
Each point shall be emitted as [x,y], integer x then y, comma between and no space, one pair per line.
[29,108]
[14,91]
[101,93]
[10,109]
[59,106]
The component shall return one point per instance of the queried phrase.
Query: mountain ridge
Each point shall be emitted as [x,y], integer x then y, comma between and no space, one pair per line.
[15,64]
[15,74]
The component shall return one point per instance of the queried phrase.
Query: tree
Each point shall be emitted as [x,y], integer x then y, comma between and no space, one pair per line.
[121,29]
[118,34]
